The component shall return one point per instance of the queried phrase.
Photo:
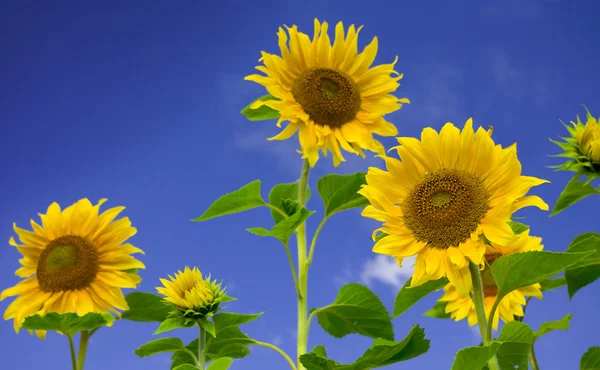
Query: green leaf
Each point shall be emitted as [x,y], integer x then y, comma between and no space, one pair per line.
[586,271]
[261,113]
[516,338]
[551,284]
[548,326]
[284,229]
[146,307]
[574,192]
[185,367]
[172,323]
[222,363]
[339,192]
[438,311]
[356,310]
[68,323]
[521,269]
[591,359]
[243,199]
[518,228]
[380,236]
[408,296]
[382,353]
[160,345]
[282,192]
[209,327]
[230,342]
[225,320]
[470,358]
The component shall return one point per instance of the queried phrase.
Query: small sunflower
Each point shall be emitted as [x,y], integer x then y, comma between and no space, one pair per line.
[583,147]
[192,295]
[448,190]
[329,94]
[511,305]
[75,262]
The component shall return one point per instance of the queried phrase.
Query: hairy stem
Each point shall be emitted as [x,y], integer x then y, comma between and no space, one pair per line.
[303,271]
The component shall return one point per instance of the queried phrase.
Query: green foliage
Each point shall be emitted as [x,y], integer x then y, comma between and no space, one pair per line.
[470,358]
[545,328]
[281,193]
[575,191]
[185,367]
[172,323]
[283,230]
[381,353]
[227,320]
[243,199]
[222,363]
[551,284]
[438,311]
[160,345]
[591,359]
[261,113]
[517,227]
[586,271]
[408,296]
[68,323]
[521,269]
[356,309]
[339,192]
[209,326]
[146,307]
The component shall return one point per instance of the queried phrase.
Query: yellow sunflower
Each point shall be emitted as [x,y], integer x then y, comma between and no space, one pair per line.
[329,94]
[74,262]
[583,147]
[511,305]
[447,191]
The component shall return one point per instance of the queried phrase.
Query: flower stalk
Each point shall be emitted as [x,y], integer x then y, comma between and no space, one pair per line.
[302,271]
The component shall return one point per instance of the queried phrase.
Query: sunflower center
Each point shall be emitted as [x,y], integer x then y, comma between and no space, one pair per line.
[67,263]
[445,208]
[490,289]
[329,97]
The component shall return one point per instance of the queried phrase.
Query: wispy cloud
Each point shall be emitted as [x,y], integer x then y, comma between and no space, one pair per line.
[439,97]
[345,276]
[384,269]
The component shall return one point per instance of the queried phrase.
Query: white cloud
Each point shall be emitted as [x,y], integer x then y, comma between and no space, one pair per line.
[345,277]
[385,270]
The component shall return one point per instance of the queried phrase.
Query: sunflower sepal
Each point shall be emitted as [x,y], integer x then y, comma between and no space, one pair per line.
[68,323]
[263,112]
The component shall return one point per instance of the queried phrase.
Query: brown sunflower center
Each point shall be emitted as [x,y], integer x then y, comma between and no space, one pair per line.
[490,289]
[67,263]
[445,208]
[329,97]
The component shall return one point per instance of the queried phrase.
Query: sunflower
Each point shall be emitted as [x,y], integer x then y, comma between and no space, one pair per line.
[191,294]
[75,262]
[511,305]
[583,147]
[447,192]
[329,94]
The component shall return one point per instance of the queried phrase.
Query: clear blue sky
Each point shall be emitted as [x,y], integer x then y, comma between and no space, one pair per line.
[139,102]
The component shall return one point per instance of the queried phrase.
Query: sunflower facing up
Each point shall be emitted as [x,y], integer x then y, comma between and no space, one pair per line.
[449,189]
[511,305]
[75,262]
[329,93]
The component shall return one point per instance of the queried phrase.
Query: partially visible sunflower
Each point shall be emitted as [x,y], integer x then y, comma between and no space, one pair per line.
[448,191]
[192,295]
[582,148]
[330,94]
[75,262]
[511,305]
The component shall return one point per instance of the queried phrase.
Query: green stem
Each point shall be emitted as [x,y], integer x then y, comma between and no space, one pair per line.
[273,347]
[314,241]
[276,209]
[477,297]
[532,360]
[83,343]
[295,277]
[303,271]
[201,348]
[73,355]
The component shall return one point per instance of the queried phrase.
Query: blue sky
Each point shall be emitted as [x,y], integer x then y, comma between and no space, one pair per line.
[140,104]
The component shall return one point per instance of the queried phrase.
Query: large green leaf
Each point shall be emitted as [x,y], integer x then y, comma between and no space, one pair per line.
[160,345]
[261,113]
[68,323]
[146,307]
[470,358]
[381,353]
[173,323]
[283,230]
[339,192]
[356,309]
[408,296]
[243,199]
[548,326]
[574,192]
[282,192]
[521,269]
[551,284]
[225,320]
[588,270]
[438,311]
[591,359]
[516,338]
[222,363]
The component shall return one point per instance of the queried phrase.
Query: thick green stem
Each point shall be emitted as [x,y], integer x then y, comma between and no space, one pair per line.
[201,348]
[73,354]
[83,344]
[302,271]
[532,360]
[477,297]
